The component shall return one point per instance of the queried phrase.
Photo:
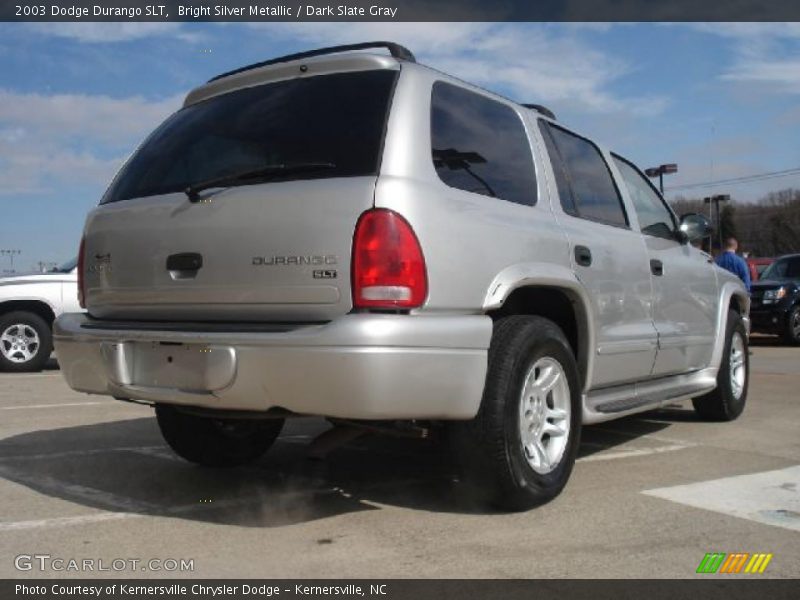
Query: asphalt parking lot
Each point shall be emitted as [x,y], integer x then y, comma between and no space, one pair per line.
[87,477]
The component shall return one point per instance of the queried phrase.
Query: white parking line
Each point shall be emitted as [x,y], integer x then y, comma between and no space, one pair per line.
[71,453]
[66,521]
[634,452]
[12,376]
[769,497]
[635,435]
[28,406]
[135,509]
[84,493]
[127,508]
[156,452]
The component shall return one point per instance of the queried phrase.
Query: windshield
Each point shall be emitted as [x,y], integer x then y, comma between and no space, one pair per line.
[337,119]
[67,266]
[784,269]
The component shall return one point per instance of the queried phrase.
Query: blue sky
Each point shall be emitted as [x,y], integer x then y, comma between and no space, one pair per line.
[721,100]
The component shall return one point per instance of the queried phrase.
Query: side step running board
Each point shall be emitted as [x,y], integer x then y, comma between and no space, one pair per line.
[611,403]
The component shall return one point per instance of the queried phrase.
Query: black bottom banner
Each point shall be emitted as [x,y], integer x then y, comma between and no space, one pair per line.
[399,589]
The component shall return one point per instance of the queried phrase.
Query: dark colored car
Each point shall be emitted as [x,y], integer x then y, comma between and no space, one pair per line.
[757,266]
[775,298]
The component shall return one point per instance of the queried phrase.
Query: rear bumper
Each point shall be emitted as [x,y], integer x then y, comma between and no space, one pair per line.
[360,366]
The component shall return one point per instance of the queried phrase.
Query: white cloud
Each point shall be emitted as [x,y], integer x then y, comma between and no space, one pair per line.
[48,141]
[99,118]
[775,74]
[766,55]
[534,62]
[747,30]
[106,32]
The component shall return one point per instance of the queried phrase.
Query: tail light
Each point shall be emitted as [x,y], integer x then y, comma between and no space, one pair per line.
[81,276]
[388,265]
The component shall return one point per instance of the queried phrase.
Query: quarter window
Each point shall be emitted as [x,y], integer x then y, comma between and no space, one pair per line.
[592,192]
[480,145]
[654,216]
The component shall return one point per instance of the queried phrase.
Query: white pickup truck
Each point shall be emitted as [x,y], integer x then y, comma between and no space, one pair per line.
[29,304]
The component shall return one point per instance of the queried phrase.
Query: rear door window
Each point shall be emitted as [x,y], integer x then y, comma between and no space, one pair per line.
[592,194]
[335,119]
[480,145]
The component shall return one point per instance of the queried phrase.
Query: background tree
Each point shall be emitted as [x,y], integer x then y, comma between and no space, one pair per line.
[727,218]
[768,227]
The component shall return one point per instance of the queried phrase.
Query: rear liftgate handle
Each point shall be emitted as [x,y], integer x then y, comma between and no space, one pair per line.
[184,265]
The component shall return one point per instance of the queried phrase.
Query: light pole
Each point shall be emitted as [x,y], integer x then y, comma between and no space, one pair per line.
[659,172]
[715,200]
[10,254]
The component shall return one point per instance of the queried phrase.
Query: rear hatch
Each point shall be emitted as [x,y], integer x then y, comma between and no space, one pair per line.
[278,174]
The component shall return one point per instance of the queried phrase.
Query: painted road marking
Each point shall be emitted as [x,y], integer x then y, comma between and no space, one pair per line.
[86,494]
[65,521]
[770,497]
[135,509]
[27,406]
[13,376]
[636,436]
[71,453]
[157,452]
[634,452]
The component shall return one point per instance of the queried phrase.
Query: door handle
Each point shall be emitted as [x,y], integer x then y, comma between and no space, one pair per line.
[656,267]
[583,256]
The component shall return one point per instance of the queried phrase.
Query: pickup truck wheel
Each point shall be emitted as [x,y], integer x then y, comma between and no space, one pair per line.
[726,402]
[519,450]
[25,342]
[791,332]
[216,442]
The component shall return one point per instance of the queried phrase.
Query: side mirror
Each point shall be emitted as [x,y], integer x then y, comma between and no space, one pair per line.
[695,227]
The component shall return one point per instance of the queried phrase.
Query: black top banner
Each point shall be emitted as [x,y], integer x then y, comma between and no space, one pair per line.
[401,10]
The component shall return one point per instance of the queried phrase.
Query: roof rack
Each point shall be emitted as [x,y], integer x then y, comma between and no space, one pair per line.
[396,50]
[542,109]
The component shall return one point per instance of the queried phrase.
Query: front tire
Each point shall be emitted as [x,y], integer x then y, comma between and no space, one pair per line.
[791,331]
[25,342]
[519,450]
[726,402]
[216,442]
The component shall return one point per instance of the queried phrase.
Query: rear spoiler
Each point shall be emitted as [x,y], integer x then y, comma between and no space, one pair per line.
[396,50]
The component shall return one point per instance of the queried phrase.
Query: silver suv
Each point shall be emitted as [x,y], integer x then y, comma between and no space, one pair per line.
[357,236]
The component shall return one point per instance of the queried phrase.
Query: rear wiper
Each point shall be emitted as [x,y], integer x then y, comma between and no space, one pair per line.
[266,172]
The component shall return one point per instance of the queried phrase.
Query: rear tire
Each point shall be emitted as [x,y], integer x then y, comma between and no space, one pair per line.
[518,452]
[726,402]
[791,330]
[216,442]
[25,342]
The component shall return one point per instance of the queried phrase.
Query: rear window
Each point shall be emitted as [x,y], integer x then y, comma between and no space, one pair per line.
[338,119]
[480,145]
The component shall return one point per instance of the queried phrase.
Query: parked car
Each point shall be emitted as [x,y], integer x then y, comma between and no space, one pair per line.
[360,237]
[29,303]
[776,300]
[756,266]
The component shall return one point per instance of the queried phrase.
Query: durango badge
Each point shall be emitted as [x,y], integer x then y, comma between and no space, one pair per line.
[280,261]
